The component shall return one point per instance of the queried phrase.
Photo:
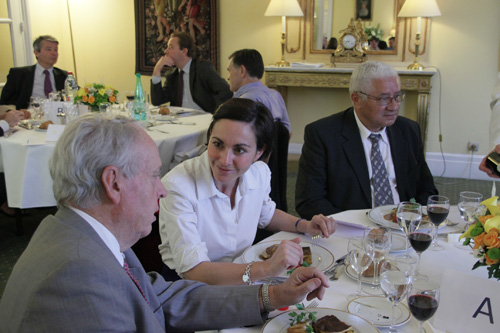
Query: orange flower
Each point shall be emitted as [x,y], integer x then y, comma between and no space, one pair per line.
[91,99]
[489,261]
[86,90]
[479,241]
[484,218]
[112,99]
[491,239]
[85,98]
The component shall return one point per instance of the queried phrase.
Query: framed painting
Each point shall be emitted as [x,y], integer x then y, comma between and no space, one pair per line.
[364,10]
[156,20]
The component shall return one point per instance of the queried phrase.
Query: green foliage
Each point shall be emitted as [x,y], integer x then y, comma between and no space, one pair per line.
[374,32]
[302,317]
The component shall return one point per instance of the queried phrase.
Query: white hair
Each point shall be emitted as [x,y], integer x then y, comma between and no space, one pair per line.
[89,144]
[363,75]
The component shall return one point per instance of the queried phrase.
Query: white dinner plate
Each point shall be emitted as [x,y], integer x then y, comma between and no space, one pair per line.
[281,322]
[378,311]
[376,215]
[321,257]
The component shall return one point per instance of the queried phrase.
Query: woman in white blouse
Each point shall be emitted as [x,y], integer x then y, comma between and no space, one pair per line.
[216,202]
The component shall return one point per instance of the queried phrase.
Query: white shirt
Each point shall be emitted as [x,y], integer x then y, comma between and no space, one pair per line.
[385,151]
[39,81]
[5,126]
[107,237]
[197,222]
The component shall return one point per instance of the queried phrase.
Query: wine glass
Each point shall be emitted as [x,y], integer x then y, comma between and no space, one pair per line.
[423,300]
[438,207]
[36,104]
[395,281]
[406,213]
[420,239]
[380,240]
[469,205]
[55,96]
[359,256]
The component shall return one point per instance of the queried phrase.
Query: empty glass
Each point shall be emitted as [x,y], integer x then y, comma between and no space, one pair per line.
[36,105]
[359,257]
[380,240]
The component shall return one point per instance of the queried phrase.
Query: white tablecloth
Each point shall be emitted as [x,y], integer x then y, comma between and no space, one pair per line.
[26,165]
[433,263]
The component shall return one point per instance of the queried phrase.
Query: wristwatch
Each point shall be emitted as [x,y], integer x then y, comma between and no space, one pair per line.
[246,276]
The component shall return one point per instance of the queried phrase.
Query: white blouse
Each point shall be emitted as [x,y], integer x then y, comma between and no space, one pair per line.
[197,222]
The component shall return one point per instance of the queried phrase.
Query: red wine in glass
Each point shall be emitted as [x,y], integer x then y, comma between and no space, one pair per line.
[420,242]
[437,215]
[422,307]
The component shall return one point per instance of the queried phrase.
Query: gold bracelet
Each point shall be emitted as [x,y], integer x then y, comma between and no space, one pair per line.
[264,291]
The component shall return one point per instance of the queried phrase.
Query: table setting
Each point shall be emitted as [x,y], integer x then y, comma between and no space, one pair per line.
[396,288]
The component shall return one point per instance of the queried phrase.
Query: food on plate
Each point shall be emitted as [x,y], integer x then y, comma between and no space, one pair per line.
[45,124]
[371,269]
[269,251]
[300,327]
[330,324]
[164,110]
[393,218]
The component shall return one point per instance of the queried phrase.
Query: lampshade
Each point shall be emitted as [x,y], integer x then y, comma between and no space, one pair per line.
[419,8]
[283,8]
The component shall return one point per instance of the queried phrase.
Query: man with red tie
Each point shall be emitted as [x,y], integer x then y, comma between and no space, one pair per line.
[37,80]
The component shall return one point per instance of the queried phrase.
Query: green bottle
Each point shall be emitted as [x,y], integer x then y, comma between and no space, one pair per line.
[140,105]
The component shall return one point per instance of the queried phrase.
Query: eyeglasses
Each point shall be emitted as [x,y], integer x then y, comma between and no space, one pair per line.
[386,100]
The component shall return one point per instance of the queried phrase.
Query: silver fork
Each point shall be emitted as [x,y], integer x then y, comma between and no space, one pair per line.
[313,304]
[314,241]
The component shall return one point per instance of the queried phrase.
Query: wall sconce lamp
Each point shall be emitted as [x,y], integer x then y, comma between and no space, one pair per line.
[283,8]
[419,9]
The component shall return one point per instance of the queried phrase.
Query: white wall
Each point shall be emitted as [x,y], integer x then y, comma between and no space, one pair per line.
[464,45]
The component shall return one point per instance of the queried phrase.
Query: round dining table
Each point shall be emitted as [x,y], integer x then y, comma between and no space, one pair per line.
[351,224]
[25,155]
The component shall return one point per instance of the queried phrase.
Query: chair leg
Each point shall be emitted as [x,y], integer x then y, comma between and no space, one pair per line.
[19,222]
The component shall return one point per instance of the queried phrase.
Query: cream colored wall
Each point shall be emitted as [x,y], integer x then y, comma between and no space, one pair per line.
[6,61]
[464,45]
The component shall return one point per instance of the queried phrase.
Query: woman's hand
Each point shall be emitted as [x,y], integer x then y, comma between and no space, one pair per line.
[288,255]
[321,225]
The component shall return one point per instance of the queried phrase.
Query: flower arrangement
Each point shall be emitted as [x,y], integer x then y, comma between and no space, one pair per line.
[486,238]
[93,94]
[373,32]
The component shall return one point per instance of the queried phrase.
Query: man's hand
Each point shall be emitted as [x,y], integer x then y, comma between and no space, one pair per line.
[307,282]
[321,225]
[13,117]
[288,255]
[164,61]
[485,168]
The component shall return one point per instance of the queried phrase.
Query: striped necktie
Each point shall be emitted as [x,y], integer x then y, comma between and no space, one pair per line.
[381,187]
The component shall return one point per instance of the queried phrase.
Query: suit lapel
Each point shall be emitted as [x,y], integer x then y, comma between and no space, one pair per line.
[29,83]
[355,153]
[398,147]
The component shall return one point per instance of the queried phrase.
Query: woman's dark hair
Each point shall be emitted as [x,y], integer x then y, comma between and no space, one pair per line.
[251,112]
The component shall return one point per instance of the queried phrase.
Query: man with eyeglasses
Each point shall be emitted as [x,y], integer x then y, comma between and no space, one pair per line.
[365,156]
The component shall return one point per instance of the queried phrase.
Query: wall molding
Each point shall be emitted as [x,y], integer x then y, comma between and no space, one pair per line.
[457,165]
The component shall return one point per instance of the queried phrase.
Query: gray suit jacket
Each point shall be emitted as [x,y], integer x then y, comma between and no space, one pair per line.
[68,280]
[333,171]
[208,89]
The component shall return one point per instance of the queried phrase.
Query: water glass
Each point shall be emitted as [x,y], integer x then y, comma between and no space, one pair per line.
[359,257]
[104,107]
[469,205]
[380,240]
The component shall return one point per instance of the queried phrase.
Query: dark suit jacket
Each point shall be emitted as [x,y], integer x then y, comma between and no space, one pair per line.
[19,85]
[333,171]
[208,89]
[67,279]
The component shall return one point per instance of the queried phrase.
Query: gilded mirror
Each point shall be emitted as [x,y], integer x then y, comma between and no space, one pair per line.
[379,19]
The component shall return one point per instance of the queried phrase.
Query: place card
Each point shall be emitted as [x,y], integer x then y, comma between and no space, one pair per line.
[54,132]
[468,303]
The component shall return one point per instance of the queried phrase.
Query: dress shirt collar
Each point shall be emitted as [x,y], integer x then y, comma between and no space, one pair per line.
[207,188]
[39,69]
[187,67]
[107,237]
[248,87]
[365,132]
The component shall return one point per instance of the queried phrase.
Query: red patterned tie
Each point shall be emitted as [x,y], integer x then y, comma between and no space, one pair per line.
[47,86]
[180,88]
[129,273]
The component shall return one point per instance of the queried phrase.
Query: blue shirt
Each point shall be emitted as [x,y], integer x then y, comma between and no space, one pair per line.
[257,91]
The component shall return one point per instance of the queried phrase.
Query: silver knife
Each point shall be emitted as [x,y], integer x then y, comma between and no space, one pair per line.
[338,262]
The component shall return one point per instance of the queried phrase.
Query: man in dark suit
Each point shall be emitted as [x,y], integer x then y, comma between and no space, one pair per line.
[36,80]
[336,170]
[79,273]
[199,86]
